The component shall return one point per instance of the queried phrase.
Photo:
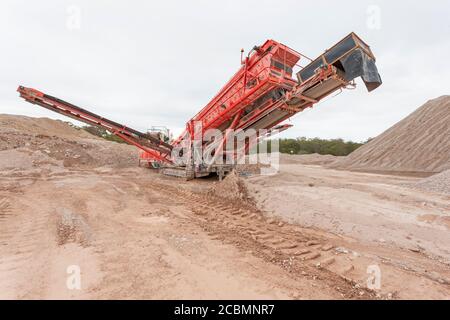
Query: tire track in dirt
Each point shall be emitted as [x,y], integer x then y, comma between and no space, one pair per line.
[39,242]
[299,253]
[4,208]
[310,253]
[21,237]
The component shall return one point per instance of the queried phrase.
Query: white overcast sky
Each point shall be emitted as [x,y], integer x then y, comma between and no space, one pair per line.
[149,63]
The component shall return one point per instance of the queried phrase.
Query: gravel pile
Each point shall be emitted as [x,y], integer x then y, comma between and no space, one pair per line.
[231,188]
[418,143]
[439,183]
[27,143]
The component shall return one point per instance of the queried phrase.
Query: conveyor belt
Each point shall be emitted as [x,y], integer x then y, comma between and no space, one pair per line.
[142,140]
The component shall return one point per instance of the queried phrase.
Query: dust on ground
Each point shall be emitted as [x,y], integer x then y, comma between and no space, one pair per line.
[310,159]
[43,144]
[135,234]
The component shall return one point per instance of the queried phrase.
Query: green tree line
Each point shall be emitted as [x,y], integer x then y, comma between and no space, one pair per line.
[303,145]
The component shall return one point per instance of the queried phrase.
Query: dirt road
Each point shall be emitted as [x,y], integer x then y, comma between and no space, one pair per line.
[131,238]
[136,234]
[373,208]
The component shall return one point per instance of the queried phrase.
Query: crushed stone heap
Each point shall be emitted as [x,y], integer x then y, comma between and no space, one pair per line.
[418,143]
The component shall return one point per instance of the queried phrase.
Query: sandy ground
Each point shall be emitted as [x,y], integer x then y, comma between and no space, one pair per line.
[136,234]
[70,202]
[368,207]
[133,235]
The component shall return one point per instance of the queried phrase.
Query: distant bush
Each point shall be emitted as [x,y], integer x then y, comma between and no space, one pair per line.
[302,145]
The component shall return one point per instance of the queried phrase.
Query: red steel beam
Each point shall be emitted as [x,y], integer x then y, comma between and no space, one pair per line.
[156,148]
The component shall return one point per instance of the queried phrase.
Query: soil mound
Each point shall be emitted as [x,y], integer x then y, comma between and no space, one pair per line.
[439,183]
[230,188]
[26,143]
[418,143]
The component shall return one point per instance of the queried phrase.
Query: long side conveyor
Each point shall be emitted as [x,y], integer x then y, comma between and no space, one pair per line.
[157,148]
